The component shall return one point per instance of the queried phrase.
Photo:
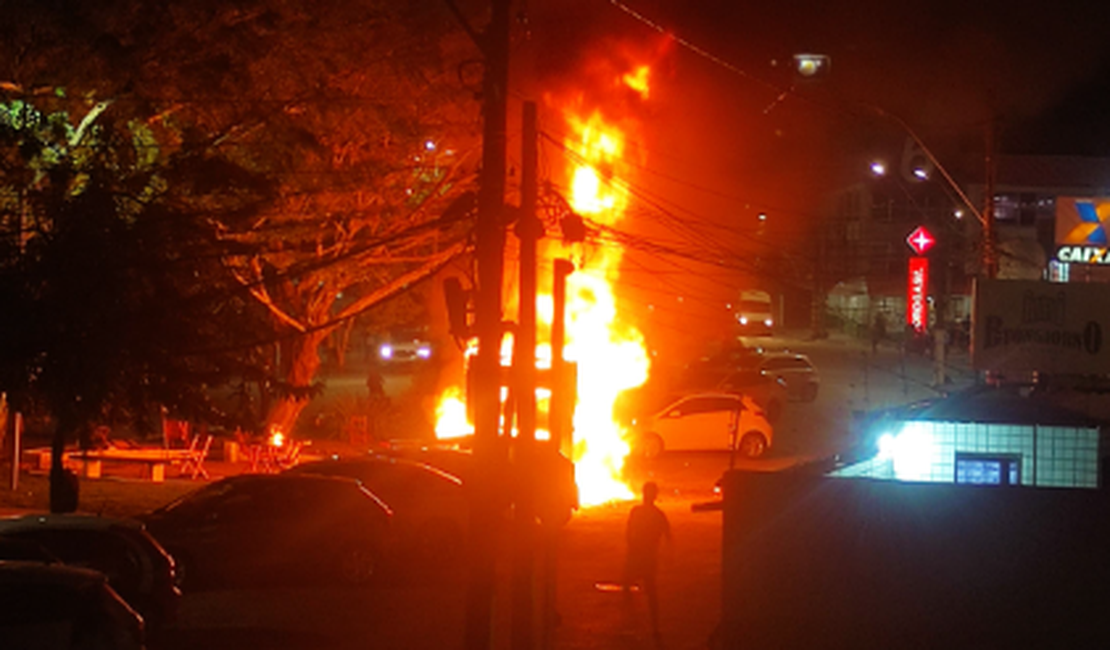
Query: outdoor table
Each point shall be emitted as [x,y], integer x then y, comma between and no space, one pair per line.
[154,460]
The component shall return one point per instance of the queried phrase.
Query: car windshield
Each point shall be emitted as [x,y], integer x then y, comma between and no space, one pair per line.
[408,334]
[785,363]
[755,305]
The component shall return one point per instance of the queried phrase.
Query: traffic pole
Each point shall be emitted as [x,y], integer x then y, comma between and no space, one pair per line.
[489,457]
[528,231]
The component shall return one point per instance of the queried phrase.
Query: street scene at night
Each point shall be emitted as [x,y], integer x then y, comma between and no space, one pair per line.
[553,325]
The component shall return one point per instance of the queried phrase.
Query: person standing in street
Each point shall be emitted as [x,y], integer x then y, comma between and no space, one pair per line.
[648,527]
[878,332]
[940,347]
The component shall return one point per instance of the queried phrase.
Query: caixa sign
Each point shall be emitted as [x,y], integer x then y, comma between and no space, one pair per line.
[1081,230]
[1083,254]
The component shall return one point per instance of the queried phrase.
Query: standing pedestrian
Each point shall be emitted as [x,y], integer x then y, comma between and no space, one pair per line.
[647,528]
[378,403]
[940,347]
[878,331]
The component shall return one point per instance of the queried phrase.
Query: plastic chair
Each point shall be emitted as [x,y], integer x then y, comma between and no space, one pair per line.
[291,456]
[194,463]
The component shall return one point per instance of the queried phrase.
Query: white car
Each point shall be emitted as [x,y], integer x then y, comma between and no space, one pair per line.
[707,422]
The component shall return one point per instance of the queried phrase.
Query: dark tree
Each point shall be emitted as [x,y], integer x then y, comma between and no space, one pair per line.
[362,112]
[116,300]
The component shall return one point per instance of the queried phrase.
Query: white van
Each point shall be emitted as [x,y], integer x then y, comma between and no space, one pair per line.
[755,314]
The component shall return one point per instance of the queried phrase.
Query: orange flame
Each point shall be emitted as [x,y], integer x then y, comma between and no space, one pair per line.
[610,353]
[451,419]
[611,356]
[638,80]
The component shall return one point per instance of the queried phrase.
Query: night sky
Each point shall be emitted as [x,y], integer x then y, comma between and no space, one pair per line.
[730,132]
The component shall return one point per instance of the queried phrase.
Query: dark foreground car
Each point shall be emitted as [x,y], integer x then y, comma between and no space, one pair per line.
[137,566]
[275,529]
[60,607]
[430,508]
[552,475]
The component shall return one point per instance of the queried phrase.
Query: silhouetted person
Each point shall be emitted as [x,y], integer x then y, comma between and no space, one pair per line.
[647,528]
[878,331]
[375,384]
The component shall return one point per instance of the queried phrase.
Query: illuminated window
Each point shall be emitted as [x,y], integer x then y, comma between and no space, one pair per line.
[988,469]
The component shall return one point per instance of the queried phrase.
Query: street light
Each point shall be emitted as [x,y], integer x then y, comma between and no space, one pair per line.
[812,66]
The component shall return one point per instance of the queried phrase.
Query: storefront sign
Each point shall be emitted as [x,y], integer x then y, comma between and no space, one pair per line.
[1051,327]
[917,305]
[1081,230]
[920,240]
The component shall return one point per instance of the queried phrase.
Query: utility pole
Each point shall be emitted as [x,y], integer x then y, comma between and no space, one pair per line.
[990,257]
[528,231]
[489,454]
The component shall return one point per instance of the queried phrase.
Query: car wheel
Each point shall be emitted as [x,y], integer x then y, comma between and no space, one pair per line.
[752,445]
[356,563]
[651,445]
[810,393]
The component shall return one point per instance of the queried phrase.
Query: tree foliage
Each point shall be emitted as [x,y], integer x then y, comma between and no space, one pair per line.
[114,296]
[361,113]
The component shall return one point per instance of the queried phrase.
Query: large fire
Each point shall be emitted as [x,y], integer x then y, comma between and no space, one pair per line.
[610,353]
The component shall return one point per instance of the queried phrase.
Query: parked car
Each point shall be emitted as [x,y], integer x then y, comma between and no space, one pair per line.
[706,422]
[430,507]
[26,550]
[275,528]
[405,345]
[60,607]
[553,473]
[137,566]
[799,373]
[769,392]
[726,356]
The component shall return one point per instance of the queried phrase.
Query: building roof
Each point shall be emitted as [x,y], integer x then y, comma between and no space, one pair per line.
[1005,405]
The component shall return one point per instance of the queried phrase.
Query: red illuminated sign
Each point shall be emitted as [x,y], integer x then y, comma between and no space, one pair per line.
[920,240]
[917,306]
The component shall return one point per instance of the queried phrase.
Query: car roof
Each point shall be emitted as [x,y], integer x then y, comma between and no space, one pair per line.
[783,354]
[273,479]
[711,393]
[68,521]
[743,399]
[21,571]
[369,461]
[282,477]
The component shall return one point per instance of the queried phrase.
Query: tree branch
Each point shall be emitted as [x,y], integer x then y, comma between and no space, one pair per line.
[400,283]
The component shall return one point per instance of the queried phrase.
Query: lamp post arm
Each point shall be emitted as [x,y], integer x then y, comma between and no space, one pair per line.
[933,159]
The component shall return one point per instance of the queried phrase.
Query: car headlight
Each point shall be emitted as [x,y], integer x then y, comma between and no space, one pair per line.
[424,352]
[743,320]
[769,322]
[386,351]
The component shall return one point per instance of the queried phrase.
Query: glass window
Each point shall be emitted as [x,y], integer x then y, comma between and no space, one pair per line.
[980,469]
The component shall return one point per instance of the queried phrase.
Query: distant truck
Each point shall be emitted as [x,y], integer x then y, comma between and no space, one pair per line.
[755,313]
